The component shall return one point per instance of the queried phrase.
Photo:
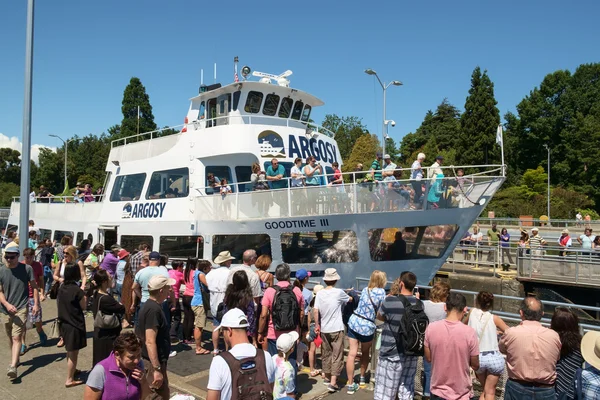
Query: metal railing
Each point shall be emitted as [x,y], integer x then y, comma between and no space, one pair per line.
[531,222]
[61,199]
[140,137]
[509,316]
[361,196]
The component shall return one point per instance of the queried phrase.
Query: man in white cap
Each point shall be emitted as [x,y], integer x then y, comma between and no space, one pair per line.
[587,381]
[216,281]
[153,330]
[220,380]
[536,243]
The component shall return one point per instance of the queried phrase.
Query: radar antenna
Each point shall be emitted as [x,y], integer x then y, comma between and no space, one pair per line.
[281,80]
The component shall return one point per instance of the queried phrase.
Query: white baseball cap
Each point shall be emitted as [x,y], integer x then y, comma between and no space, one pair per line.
[286,341]
[234,318]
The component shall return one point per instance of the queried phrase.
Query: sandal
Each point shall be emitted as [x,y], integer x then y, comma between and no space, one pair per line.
[73,384]
[202,352]
[61,343]
[315,372]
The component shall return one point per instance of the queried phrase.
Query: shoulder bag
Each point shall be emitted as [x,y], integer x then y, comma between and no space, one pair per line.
[105,321]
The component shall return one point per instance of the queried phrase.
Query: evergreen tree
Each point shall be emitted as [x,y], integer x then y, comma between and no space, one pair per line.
[363,152]
[135,95]
[347,130]
[479,122]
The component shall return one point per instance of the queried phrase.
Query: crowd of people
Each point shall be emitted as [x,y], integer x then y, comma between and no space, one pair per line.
[83,193]
[273,325]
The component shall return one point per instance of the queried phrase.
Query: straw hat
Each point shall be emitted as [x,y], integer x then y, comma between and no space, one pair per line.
[317,289]
[223,256]
[565,231]
[590,348]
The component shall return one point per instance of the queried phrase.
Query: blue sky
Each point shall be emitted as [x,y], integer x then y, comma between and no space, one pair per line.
[86,52]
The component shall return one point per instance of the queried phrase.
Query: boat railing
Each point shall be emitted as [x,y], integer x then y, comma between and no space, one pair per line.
[357,196]
[140,137]
[60,199]
[201,124]
[548,223]
[257,119]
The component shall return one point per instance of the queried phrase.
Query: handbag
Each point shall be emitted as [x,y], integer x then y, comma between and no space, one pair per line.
[54,331]
[105,321]
[54,290]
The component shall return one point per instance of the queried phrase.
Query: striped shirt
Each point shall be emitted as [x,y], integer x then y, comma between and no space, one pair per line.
[135,261]
[532,352]
[375,166]
[566,368]
[590,382]
[535,242]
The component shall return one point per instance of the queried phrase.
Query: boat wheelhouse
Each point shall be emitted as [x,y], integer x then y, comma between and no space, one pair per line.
[165,190]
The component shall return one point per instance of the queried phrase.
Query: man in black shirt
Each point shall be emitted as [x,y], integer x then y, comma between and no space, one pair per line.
[153,330]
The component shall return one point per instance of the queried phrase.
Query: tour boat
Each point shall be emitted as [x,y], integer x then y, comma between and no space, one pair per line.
[157,191]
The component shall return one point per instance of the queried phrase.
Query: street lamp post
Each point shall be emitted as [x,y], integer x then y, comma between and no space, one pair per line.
[548,212]
[384,86]
[66,149]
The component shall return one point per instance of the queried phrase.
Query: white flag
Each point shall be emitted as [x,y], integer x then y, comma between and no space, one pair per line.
[499,135]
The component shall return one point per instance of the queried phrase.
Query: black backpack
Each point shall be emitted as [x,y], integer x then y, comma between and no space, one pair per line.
[413,325]
[249,380]
[286,311]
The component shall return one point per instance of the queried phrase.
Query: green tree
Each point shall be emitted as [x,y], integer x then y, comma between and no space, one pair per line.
[51,170]
[10,165]
[479,122]
[8,190]
[391,149]
[347,130]
[135,96]
[363,152]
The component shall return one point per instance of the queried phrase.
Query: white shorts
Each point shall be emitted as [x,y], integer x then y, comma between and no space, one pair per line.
[491,362]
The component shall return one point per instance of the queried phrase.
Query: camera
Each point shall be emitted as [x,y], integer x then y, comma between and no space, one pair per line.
[393,123]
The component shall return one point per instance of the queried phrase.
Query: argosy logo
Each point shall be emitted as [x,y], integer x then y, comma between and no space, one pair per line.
[144,210]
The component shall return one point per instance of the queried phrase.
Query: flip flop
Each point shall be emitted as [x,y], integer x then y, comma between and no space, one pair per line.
[315,372]
[73,384]
[202,352]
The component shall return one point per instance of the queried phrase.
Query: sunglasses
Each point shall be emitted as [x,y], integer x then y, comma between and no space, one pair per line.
[10,257]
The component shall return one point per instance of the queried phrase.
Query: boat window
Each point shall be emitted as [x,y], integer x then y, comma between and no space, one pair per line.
[79,239]
[271,103]
[131,242]
[224,103]
[253,102]
[90,238]
[211,112]
[306,113]
[319,247]
[214,174]
[297,110]
[236,99]
[237,244]
[128,187]
[286,107]
[169,184]
[45,234]
[201,111]
[409,243]
[58,235]
[182,246]
[243,174]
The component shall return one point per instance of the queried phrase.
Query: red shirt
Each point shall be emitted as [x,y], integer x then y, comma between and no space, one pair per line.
[38,272]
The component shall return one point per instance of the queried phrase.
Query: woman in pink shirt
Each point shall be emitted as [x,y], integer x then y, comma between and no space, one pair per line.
[188,294]
[177,274]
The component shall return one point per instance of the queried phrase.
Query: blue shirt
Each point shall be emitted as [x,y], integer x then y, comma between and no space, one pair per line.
[308,296]
[143,277]
[121,271]
[365,309]
[197,299]
[280,184]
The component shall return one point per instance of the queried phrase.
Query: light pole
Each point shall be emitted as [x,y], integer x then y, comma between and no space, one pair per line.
[548,148]
[66,149]
[384,86]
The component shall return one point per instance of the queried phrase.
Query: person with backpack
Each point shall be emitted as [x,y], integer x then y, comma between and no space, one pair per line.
[329,323]
[361,327]
[452,348]
[282,311]
[226,380]
[402,341]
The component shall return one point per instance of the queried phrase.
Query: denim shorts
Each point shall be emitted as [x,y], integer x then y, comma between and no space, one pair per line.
[361,338]
[491,362]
